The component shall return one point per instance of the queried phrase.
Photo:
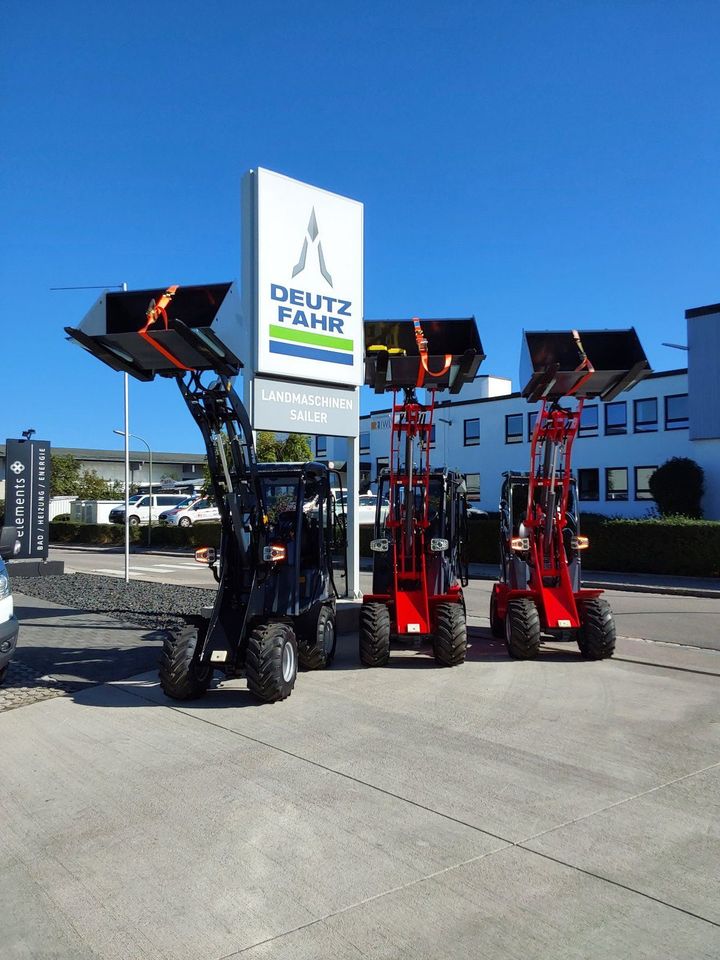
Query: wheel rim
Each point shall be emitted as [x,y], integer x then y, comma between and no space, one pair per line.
[288,662]
[508,627]
[328,637]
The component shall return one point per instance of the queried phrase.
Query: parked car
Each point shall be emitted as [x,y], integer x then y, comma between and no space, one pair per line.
[368,506]
[9,546]
[140,507]
[194,511]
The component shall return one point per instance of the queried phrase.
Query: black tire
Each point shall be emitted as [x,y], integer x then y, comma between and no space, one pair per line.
[271,661]
[374,634]
[184,522]
[497,624]
[182,677]
[134,521]
[450,643]
[596,636]
[3,672]
[316,645]
[522,629]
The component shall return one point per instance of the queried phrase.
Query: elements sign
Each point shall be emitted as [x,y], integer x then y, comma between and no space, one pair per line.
[308,281]
[27,495]
[304,408]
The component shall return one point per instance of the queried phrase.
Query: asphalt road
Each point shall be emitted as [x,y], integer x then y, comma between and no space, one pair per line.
[671,619]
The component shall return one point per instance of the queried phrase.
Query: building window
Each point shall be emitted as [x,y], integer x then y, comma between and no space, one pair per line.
[646,415]
[616,483]
[320,446]
[589,484]
[382,463]
[532,418]
[473,486]
[615,418]
[364,441]
[472,433]
[588,422]
[513,427]
[432,435]
[676,412]
[642,482]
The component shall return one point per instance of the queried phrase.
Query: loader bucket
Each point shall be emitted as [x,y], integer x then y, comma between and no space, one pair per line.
[193,328]
[393,358]
[554,363]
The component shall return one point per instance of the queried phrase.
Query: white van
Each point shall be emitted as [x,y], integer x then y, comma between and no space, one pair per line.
[140,507]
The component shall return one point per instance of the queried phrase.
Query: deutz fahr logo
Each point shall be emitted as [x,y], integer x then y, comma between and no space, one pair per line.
[309,323]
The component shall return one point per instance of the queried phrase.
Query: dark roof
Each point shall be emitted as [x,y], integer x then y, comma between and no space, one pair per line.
[81,453]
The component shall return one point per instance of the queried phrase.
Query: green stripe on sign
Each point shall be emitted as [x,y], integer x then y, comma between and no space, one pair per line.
[304,336]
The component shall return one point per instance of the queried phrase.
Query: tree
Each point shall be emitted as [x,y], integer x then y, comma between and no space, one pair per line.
[677,487]
[91,486]
[267,447]
[64,475]
[296,448]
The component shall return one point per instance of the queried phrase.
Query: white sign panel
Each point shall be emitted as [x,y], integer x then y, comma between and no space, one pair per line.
[308,281]
[305,408]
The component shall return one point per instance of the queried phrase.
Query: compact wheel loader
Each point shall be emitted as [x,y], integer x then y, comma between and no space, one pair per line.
[539,591]
[419,566]
[281,562]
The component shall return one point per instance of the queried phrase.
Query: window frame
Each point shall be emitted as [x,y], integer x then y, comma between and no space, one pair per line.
[516,437]
[635,482]
[531,421]
[641,428]
[472,441]
[682,423]
[625,499]
[475,494]
[596,471]
[589,431]
[364,447]
[611,431]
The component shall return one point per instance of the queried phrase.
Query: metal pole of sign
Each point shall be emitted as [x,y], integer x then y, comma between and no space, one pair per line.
[127,469]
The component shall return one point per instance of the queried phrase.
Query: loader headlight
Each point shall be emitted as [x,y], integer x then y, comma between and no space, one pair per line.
[521,544]
[4,586]
[580,543]
[438,544]
[275,553]
[380,546]
[206,555]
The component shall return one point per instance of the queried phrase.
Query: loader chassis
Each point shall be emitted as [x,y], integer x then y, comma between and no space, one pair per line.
[283,537]
[419,566]
[539,589]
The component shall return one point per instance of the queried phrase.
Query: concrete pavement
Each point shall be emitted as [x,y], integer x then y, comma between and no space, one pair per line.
[555,808]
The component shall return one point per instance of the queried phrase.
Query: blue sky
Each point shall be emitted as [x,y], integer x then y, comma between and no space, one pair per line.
[533,163]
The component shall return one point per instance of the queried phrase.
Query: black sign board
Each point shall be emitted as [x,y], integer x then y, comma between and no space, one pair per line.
[27,495]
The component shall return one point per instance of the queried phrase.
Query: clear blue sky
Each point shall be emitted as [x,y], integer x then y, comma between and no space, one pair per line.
[534,163]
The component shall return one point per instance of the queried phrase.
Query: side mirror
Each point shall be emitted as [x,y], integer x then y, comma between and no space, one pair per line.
[9,543]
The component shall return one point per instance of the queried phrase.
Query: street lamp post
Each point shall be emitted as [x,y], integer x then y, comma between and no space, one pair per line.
[122,433]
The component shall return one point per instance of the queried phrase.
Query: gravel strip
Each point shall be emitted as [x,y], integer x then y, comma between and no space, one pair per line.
[159,606]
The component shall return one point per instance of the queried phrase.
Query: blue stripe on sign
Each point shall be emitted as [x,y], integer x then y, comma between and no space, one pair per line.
[310,353]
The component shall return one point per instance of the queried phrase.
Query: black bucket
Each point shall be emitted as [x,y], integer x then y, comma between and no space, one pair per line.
[202,331]
[392,356]
[553,363]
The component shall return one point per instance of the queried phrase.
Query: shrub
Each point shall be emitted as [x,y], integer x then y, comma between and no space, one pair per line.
[677,487]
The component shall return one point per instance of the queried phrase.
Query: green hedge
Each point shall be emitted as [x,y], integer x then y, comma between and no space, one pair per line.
[201,535]
[669,545]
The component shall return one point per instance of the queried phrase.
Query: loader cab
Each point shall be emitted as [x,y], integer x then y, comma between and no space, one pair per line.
[446,537]
[514,565]
[306,532]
